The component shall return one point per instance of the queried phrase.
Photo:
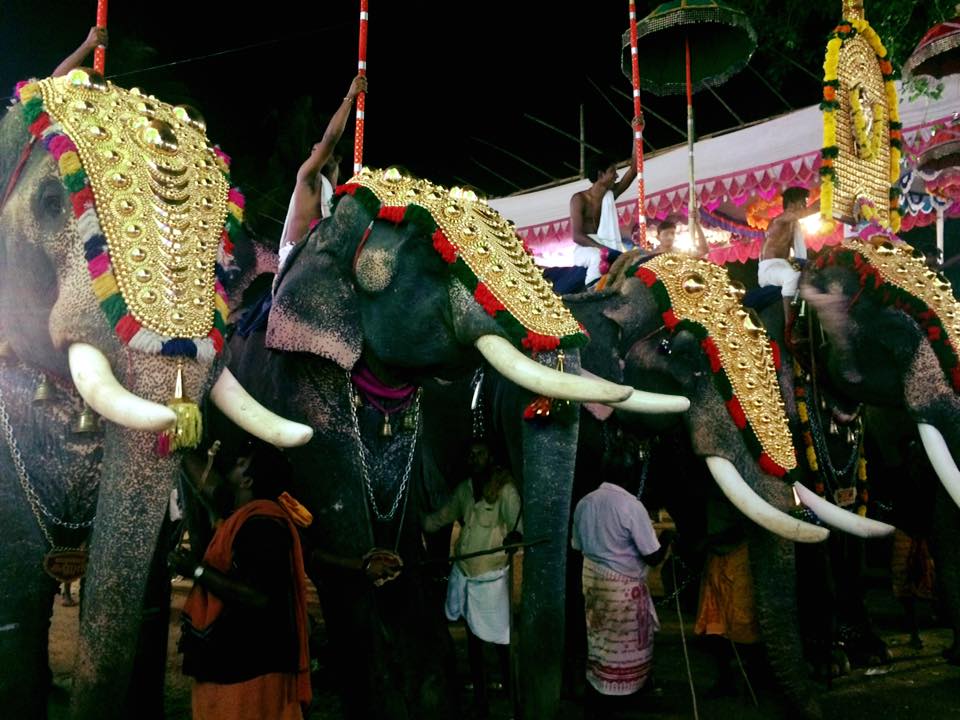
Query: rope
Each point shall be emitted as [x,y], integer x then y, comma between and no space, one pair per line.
[743,672]
[683,640]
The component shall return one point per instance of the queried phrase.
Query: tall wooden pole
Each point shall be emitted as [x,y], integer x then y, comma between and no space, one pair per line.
[638,131]
[100,54]
[362,97]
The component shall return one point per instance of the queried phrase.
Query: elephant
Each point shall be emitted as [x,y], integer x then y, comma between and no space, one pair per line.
[884,347]
[65,314]
[373,298]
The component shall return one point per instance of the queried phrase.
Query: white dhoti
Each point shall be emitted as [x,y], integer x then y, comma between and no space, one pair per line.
[483,601]
[778,271]
[608,235]
[287,243]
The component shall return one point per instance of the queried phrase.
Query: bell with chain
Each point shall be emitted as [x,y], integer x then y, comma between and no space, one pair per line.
[44,390]
[87,421]
[834,430]
[356,399]
[410,420]
[386,430]
[851,436]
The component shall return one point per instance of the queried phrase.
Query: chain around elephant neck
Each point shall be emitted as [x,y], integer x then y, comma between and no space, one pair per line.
[365,468]
[36,505]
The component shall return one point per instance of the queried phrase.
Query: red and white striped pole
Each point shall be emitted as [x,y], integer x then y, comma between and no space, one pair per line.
[362,97]
[638,132]
[100,54]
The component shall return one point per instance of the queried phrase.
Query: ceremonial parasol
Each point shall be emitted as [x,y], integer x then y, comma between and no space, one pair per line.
[938,53]
[689,45]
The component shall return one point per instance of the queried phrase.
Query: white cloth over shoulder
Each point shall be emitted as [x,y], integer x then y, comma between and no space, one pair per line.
[799,243]
[607,234]
[483,601]
[778,271]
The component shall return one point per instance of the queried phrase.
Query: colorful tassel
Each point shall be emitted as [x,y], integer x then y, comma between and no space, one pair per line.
[186,432]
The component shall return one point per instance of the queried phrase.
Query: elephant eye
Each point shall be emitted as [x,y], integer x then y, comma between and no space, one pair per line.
[665,348]
[52,204]
[49,199]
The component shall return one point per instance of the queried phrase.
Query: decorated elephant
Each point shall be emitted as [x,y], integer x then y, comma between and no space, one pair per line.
[891,324]
[116,227]
[404,283]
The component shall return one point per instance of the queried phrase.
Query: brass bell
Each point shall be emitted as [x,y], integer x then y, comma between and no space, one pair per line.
[44,391]
[87,421]
[851,437]
[357,400]
[386,431]
[834,430]
[409,421]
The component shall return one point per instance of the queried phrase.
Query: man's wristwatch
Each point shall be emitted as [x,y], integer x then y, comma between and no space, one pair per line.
[197,572]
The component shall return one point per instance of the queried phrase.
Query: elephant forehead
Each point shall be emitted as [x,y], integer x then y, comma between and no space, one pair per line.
[702,293]
[375,269]
[160,197]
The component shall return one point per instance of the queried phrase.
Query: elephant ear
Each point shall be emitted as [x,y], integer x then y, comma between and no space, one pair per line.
[315,302]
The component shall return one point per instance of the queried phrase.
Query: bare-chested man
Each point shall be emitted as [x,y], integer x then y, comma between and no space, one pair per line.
[318,176]
[783,235]
[667,234]
[593,212]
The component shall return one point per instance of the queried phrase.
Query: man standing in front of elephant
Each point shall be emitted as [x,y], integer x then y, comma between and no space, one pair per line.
[488,507]
[612,529]
[318,176]
[245,620]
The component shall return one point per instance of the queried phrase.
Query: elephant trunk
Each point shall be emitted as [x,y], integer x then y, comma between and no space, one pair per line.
[134,492]
[548,460]
[773,565]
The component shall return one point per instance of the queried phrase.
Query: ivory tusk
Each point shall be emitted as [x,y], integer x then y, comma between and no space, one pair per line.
[941,459]
[840,519]
[759,510]
[240,407]
[98,387]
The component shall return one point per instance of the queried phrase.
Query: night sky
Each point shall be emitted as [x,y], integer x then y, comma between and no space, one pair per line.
[447,80]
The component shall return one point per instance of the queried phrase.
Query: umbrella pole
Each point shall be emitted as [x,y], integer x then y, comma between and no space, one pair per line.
[362,97]
[638,132]
[100,54]
[692,190]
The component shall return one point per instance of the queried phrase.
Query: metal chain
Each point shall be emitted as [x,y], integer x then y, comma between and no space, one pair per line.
[365,469]
[36,505]
[823,452]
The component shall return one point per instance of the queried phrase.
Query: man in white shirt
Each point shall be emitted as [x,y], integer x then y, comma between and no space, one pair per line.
[612,529]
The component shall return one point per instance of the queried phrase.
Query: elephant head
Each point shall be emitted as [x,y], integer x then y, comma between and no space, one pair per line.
[112,240]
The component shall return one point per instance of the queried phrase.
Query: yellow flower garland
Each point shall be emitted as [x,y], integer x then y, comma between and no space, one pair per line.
[831,65]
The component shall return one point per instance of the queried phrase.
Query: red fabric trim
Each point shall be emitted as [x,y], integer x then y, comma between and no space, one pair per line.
[646,276]
[669,319]
[347,189]
[217,339]
[226,242]
[392,214]
[126,328]
[770,467]
[443,246]
[540,343]
[82,201]
[39,125]
[736,412]
[776,353]
[710,347]
[487,300]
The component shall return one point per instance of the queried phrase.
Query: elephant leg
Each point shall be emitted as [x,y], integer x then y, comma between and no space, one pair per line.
[946,527]
[26,602]
[773,564]
[134,494]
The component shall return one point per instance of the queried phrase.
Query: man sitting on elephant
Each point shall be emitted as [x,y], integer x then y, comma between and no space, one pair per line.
[245,620]
[783,235]
[318,176]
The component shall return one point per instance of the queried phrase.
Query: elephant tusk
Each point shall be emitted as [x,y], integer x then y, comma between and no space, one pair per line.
[840,519]
[98,387]
[759,510]
[240,407]
[641,401]
[941,459]
[537,378]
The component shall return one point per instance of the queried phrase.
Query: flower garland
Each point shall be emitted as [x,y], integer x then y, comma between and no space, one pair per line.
[52,136]
[720,379]
[421,218]
[810,450]
[846,30]
[874,287]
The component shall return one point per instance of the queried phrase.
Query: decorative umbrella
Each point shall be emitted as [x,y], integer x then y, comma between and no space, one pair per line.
[689,45]
[938,53]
